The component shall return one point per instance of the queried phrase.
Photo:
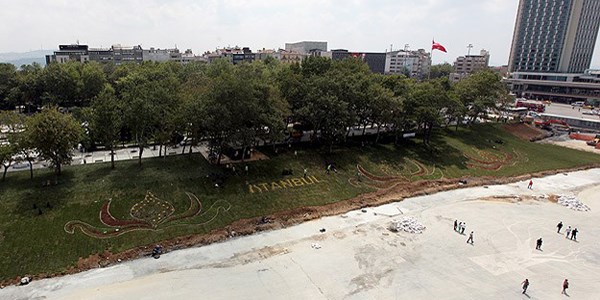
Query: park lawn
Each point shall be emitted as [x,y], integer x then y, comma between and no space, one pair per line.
[31,243]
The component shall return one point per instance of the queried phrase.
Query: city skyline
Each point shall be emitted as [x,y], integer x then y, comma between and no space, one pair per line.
[366,26]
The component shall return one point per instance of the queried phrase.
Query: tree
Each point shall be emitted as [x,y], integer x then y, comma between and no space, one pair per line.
[242,104]
[29,88]
[13,122]
[441,71]
[8,80]
[7,152]
[106,120]
[92,82]
[151,94]
[480,92]
[426,103]
[54,135]
[62,84]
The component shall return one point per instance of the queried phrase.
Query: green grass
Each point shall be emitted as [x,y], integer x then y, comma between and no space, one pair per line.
[32,243]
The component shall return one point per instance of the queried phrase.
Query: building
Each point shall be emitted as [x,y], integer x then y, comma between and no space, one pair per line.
[557,87]
[127,54]
[415,64]
[235,55]
[66,53]
[189,57]
[554,36]
[101,55]
[284,56]
[375,61]
[306,47]
[469,64]
[159,55]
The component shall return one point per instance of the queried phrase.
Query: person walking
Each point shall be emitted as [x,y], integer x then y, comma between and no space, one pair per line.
[246,169]
[538,245]
[305,173]
[574,234]
[470,239]
[565,286]
[530,186]
[568,232]
[559,226]
[462,228]
[525,284]
[455,225]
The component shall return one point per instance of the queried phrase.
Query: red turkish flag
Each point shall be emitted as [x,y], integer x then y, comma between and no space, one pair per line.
[438,46]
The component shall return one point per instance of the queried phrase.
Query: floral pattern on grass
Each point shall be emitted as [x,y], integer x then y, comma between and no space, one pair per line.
[151,213]
[493,161]
[417,170]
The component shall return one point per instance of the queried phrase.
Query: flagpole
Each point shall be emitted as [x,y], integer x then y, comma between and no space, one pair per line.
[430,65]
[430,59]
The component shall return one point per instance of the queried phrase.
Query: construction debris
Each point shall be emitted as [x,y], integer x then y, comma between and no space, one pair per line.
[573,203]
[407,224]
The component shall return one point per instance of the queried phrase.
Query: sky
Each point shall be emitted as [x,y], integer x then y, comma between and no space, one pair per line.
[204,25]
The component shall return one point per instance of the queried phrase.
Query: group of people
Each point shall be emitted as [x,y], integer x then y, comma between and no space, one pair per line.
[565,286]
[460,228]
[571,233]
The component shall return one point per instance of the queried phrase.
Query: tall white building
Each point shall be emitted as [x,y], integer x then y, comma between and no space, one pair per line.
[413,63]
[554,36]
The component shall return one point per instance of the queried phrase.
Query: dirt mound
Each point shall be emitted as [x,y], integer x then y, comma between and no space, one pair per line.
[526,132]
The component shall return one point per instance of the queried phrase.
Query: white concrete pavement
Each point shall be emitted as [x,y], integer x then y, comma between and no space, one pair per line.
[360,259]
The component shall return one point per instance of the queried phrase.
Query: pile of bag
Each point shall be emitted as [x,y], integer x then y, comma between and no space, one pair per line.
[407,224]
[573,203]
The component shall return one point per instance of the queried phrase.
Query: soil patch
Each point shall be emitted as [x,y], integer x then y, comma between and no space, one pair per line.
[296,216]
[526,132]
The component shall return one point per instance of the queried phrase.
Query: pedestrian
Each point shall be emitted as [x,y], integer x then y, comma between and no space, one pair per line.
[538,245]
[462,229]
[328,168]
[530,186]
[246,169]
[568,232]
[470,239]
[525,284]
[559,226]
[295,153]
[459,227]
[574,234]
[233,169]
[565,286]
[455,225]
[305,172]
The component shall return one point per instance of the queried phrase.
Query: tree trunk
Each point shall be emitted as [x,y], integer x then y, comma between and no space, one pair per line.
[243,153]
[183,149]
[140,157]
[30,169]
[160,151]
[377,138]
[220,154]
[112,158]
[4,174]
[58,169]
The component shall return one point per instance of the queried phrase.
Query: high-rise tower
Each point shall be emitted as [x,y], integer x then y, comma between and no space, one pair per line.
[554,36]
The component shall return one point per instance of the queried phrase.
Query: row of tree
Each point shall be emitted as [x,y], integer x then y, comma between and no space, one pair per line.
[228,105]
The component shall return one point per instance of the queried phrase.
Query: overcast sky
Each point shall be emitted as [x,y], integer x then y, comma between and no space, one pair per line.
[369,25]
